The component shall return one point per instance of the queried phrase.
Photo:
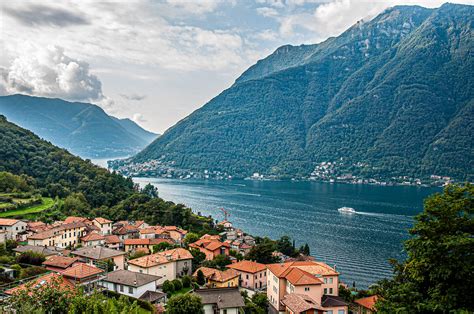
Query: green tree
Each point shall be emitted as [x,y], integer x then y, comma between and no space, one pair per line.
[191,237]
[76,203]
[31,258]
[163,246]
[187,281]
[437,275]
[285,246]
[185,304]
[263,252]
[150,190]
[200,279]
[198,258]
[178,285]
[168,287]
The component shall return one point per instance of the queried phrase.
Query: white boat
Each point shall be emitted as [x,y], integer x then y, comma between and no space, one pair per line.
[348,210]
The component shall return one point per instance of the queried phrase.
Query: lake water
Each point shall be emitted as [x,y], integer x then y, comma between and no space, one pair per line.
[358,244]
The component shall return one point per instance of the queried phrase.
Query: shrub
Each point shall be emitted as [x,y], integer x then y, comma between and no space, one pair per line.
[168,287]
[186,280]
[177,285]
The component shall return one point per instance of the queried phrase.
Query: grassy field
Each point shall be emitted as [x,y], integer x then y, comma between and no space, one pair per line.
[34,209]
[182,291]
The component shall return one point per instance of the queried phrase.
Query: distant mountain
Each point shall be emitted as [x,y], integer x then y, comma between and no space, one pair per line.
[389,97]
[84,129]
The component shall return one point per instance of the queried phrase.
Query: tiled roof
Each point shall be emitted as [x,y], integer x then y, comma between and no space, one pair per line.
[46,251]
[298,303]
[60,261]
[72,219]
[222,298]
[332,301]
[145,241]
[43,281]
[210,245]
[248,266]
[93,236]
[97,253]
[161,258]
[125,230]
[300,277]
[217,275]
[152,296]
[112,239]
[211,237]
[81,270]
[368,302]
[174,228]
[8,222]
[51,232]
[312,267]
[130,278]
[102,221]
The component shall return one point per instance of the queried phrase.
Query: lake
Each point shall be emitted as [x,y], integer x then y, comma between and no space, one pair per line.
[358,244]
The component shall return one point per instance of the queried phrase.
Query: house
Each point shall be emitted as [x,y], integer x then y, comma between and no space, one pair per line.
[215,237]
[113,242]
[154,297]
[59,263]
[126,232]
[87,276]
[98,255]
[42,281]
[168,265]
[365,305]
[47,251]
[12,227]
[221,300]
[301,304]
[176,233]
[225,224]
[64,235]
[154,232]
[73,219]
[130,283]
[3,236]
[219,279]
[93,239]
[314,279]
[253,275]
[104,225]
[140,224]
[133,244]
[211,248]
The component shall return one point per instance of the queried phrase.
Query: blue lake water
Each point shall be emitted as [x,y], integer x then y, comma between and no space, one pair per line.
[358,244]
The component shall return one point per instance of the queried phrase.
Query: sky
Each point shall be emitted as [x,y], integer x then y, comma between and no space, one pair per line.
[157,61]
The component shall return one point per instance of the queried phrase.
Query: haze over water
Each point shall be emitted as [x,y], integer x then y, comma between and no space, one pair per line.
[358,244]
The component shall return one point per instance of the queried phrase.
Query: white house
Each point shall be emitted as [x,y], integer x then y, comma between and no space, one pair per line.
[221,300]
[130,283]
[105,225]
[12,227]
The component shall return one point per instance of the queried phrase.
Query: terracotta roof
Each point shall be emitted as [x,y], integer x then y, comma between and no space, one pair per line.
[93,236]
[51,232]
[72,219]
[43,281]
[210,245]
[145,241]
[217,275]
[102,221]
[8,222]
[222,298]
[125,230]
[81,270]
[174,228]
[300,277]
[161,258]
[60,261]
[138,223]
[112,239]
[368,302]
[298,303]
[35,224]
[142,249]
[248,266]
[97,253]
[312,267]
[130,278]
[211,237]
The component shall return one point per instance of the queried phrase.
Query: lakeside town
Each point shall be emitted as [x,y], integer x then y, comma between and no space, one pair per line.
[151,264]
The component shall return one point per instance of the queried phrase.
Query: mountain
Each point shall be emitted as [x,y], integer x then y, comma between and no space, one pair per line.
[389,97]
[55,171]
[84,129]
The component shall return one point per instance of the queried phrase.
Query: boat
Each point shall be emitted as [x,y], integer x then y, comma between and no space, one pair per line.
[348,210]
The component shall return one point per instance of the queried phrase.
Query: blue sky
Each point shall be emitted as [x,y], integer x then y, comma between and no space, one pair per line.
[157,61]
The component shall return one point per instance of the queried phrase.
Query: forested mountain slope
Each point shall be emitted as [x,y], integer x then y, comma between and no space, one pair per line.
[389,97]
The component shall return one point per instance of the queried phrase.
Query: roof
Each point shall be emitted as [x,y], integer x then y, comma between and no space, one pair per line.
[52,232]
[102,221]
[41,281]
[217,275]
[248,266]
[152,296]
[161,258]
[97,253]
[81,270]
[145,241]
[174,228]
[300,277]
[210,245]
[8,222]
[130,278]
[312,267]
[368,302]
[222,297]
[125,229]
[60,261]
[332,301]
[93,236]
[298,303]
[112,239]
[72,219]
[46,251]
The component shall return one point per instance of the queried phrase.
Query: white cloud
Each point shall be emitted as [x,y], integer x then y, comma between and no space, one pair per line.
[138,117]
[266,11]
[50,72]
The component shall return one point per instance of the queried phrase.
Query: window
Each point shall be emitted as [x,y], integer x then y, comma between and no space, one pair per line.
[130,290]
[141,270]
[246,276]
[330,290]
[330,280]
[225,311]
[325,290]
[306,288]
[121,288]
[329,312]
[325,280]
[341,312]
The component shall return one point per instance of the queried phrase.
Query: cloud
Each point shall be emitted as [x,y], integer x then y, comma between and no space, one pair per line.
[135,97]
[266,11]
[37,15]
[50,72]
[138,117]
[195,7]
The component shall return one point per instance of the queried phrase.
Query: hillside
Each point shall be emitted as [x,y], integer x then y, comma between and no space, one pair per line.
[83,129]
[55,171]
[389,97]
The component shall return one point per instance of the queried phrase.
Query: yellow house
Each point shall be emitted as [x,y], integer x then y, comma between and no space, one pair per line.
[219,279]
[65,235]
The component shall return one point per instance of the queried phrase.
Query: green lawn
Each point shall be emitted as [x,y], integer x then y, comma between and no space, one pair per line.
[47,204]
[182,291]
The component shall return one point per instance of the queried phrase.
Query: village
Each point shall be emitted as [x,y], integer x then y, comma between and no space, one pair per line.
[152,263]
